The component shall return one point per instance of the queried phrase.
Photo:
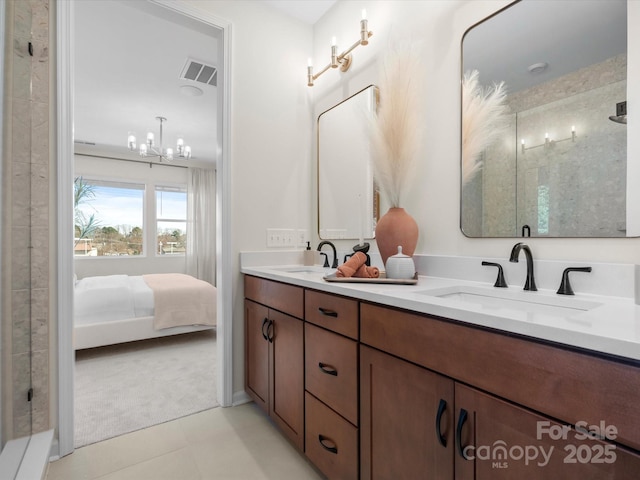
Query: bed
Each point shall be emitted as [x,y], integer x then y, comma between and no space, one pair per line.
[114,309]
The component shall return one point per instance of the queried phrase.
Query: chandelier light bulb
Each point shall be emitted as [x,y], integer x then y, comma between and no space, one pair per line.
[170,153]
[143,149]
[187,152]
[150,138]
[131,141]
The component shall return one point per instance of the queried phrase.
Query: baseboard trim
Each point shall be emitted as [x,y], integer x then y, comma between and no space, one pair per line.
[240,398]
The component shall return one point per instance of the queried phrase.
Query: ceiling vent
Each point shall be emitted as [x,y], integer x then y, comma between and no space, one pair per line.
[200,72]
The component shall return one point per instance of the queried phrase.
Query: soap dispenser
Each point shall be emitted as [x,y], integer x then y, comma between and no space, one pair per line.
[309,256]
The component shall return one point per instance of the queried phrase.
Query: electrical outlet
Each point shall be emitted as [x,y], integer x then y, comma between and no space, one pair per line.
[288,237]
[302,238]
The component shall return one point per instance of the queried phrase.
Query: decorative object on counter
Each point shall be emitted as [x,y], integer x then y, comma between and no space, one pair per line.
[395,140]
[309,256]
[356,267]
[565,285]
[361,247]
[500,281]
[400,266]
[381,279]
[344,59]
[483,120]
[396,227]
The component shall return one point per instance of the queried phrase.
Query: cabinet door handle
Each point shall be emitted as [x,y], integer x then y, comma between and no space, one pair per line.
[270,331]
[327,312]
[461,420]
[322,439]
[328,369]
[264,322]
[441,408]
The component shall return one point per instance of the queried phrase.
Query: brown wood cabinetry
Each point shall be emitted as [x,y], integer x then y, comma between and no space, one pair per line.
[499,440]
[274,349]
[331,382]
[407,419]
[376,392]
[494,437]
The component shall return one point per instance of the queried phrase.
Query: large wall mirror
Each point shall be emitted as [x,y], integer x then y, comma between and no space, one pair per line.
[559,166]
[347,201]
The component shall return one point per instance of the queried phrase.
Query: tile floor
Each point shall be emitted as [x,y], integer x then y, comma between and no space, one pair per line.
[222,443]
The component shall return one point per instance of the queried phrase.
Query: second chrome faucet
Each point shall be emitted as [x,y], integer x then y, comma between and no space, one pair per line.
[530,283]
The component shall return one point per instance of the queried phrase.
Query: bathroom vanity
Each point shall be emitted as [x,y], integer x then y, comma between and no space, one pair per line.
[382,381]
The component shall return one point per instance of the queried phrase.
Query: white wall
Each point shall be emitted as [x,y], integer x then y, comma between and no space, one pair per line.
[109,169]
[273,116]
[435,200]
[270,135]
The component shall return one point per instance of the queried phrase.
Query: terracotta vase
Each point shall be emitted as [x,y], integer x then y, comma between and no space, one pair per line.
[396,228]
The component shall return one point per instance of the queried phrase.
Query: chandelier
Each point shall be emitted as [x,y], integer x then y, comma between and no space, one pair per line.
[151,149]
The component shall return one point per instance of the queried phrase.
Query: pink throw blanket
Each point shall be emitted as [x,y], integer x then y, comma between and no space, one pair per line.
[181,300]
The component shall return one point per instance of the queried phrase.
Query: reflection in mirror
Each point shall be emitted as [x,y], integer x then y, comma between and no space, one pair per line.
[347,202]
[560,168]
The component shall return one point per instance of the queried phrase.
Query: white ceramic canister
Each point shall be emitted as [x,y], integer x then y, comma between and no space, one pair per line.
[400,266]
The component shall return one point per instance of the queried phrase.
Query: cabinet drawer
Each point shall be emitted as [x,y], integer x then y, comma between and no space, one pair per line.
[279,296]
[331,370]
[332,312]
[560,383]
[331,442]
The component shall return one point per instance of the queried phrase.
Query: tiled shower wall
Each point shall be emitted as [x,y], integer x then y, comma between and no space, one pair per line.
[26,217]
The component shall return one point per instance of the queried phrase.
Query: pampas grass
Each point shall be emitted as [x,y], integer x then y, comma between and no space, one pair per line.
[483,120]
[395,130]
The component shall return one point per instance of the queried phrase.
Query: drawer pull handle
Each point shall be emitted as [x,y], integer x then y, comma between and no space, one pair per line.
[322,439]
[264,322]
[328,369]
[441,408]
[270,331]
[327,312]
[461,420]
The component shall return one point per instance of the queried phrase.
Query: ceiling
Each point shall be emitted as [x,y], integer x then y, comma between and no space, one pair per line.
[128,59]
[567,35]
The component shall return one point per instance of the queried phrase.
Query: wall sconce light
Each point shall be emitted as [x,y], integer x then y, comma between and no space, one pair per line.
[344,59]
[548,142]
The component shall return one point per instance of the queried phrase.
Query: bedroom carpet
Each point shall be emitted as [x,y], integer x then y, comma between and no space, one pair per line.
[130,386]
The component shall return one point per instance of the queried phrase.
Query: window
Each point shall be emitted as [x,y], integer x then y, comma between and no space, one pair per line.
[108,218]
[171,220]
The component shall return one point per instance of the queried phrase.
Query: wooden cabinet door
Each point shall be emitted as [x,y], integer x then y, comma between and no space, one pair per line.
[286,341]
[256,353]
[405,433]
[505,441]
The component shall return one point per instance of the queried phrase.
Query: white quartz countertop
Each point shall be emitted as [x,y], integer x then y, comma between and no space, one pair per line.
[609,325]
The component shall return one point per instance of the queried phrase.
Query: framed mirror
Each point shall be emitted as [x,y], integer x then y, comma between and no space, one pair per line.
[348,205]
[558,168]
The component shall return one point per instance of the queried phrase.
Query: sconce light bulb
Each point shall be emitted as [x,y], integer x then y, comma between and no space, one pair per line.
[573,128]
[309,63]
[522,141]
[364,14]
[334,42]
[546,135]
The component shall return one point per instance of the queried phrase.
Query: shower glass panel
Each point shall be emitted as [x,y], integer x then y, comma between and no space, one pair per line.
[571,166]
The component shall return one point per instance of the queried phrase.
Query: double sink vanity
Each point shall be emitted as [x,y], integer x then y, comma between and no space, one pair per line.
[445,378]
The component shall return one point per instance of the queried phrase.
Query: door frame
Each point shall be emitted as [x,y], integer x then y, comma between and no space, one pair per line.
[64,277]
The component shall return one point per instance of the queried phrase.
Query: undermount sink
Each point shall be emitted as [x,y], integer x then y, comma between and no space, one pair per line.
[496,299]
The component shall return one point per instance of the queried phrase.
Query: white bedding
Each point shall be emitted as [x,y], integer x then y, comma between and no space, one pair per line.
[120,308]
[111,297]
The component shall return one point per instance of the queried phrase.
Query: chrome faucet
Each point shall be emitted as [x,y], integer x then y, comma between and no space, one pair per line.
[335,254]
[530,284]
